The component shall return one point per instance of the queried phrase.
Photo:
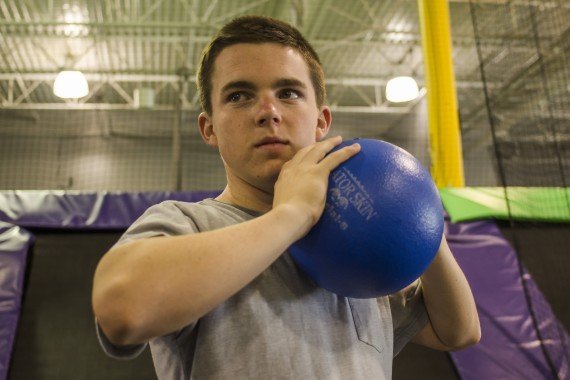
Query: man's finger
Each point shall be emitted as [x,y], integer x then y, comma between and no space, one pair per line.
[334,159]
[324,145]
[320,149]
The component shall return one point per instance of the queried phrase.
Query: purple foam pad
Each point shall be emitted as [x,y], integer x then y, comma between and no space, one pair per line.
[509,347]
[14,244]
[85,210]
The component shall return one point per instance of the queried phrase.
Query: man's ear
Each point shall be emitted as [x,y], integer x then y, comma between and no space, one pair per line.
[323,123]
[207,129]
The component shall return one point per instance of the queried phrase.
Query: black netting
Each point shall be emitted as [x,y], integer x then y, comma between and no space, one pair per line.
[526,94]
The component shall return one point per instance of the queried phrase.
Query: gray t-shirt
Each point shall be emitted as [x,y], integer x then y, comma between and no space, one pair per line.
[281,325]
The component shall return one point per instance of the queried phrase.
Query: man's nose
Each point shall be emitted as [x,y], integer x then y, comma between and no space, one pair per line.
[268,113]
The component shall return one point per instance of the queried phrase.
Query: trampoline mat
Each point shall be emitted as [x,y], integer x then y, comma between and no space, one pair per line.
[544,249]
[56,335]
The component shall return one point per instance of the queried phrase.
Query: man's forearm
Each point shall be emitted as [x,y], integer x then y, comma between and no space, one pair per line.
[155,286]
[449,301]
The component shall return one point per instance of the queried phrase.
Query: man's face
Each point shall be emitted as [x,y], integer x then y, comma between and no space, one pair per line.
[263,111]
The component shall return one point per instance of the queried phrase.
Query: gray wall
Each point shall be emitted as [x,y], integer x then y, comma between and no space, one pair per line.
[132,150]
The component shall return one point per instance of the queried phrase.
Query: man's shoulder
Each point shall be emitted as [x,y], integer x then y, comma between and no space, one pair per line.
[171,205]
[208,210]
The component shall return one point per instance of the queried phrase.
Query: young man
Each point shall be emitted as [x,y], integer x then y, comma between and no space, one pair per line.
[210,285]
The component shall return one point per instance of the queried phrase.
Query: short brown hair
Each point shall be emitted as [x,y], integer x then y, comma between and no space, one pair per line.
[257,29]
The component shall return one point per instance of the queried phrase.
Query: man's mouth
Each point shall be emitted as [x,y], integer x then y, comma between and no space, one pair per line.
[271,141]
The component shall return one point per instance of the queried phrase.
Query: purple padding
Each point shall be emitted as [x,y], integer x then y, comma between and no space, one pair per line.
[96,210]
[14,244]
[58,209]
[509,347]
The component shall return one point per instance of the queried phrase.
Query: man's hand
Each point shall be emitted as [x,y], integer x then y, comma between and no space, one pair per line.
[138,285]
[303,181]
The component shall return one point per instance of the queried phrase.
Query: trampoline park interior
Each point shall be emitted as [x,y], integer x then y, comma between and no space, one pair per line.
[491,121]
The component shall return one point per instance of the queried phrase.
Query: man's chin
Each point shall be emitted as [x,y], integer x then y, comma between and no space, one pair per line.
[267,181]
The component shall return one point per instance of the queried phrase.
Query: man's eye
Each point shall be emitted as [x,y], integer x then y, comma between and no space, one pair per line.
[235,97]
[240,96]
[289,94]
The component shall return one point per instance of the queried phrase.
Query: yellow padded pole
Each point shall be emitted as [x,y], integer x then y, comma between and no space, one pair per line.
[445,136]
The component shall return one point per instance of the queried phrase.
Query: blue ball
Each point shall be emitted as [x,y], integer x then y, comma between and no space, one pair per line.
[381,227]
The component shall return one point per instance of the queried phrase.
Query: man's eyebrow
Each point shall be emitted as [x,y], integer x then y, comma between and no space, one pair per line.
[289,82]
[238,85]
[247,85]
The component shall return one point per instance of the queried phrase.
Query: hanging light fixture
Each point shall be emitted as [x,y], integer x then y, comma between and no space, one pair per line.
[70,84]
[401,89]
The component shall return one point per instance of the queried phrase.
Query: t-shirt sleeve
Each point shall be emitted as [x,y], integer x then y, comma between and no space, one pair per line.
[115,351]
[164,219]
[409,314]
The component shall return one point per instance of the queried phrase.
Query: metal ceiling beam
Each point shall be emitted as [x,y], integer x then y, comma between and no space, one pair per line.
[166,78]
[23,97]
[108,106]
[108,24]
[134,31]
[373,103]
[23,100]
[526,3]
[94,77]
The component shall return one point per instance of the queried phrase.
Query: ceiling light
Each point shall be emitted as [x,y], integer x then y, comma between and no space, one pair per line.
[401,89]
[70,85]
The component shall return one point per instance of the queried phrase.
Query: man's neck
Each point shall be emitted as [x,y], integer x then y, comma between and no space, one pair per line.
[253,198]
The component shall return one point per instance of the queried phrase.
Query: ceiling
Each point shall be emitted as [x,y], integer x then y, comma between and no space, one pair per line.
[122,45]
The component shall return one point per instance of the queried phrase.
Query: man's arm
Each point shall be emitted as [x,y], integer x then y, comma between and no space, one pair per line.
[151,287]
[154,286]
[450,305]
